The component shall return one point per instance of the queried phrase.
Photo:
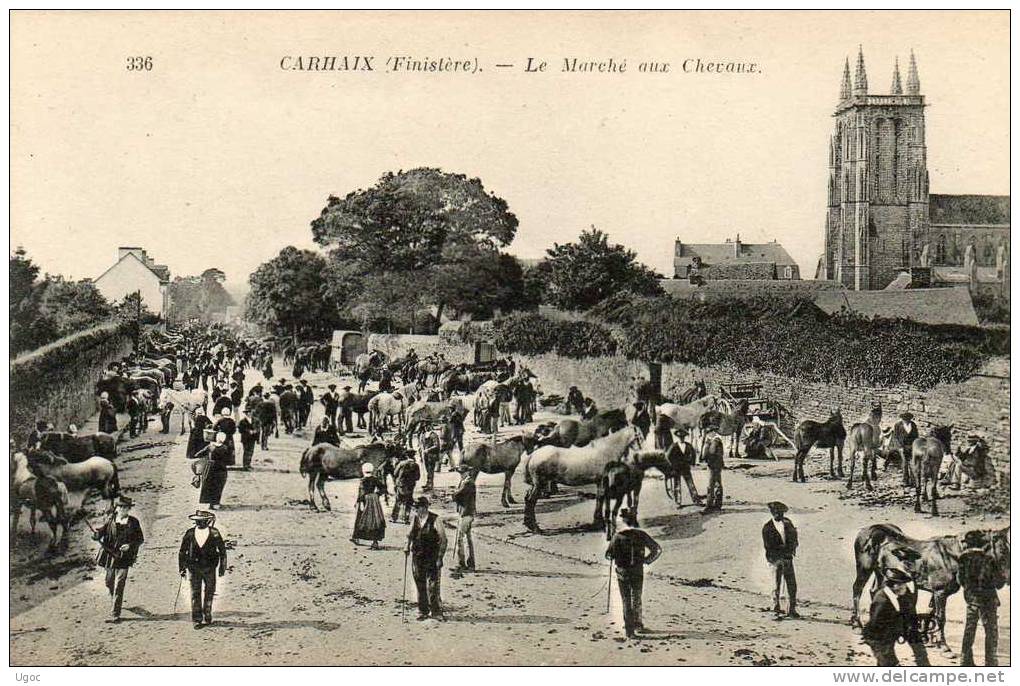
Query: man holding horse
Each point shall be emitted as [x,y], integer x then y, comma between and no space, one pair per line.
[893,616]
[680,455]
[630,550]
[779,536]
[981,579]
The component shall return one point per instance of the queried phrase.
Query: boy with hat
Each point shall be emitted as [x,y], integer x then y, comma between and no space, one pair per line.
[347,414]
[779,536]
[981,579]
[627,550]
[465,497]
[713,458]
[331,401]
[893,616]
[904,434]
[119,538]
[202,555]
[426,544]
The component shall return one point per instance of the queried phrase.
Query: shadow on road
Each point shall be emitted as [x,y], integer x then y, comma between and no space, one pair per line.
[508,619]
[532,573]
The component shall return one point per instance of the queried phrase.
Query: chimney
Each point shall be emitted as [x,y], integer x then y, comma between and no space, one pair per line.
[126,250]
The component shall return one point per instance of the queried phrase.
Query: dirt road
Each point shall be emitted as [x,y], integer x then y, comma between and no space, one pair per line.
[298,592]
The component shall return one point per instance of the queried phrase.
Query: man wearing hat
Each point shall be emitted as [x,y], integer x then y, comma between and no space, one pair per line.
[405,478]
[904,434]
[306,398]
[426,544]
[981,579]
[107,414]
[893,616]
[346,422]
[203,555]
[680,455]
[465,497]
[713,457]
[249,437]
[780,538]
[331,401]
[627,550]
[119,538]
[326,433]
[228,427]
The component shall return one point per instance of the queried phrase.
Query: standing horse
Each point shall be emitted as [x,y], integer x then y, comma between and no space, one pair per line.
[926,458]
[828,434]
[365,365]
[623,479]
[574,467]
[728,424]
[499,458]
[687,416]
[865,439]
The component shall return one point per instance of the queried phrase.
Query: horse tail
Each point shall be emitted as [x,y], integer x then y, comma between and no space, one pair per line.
[304,464]
[112,489]
[527,469]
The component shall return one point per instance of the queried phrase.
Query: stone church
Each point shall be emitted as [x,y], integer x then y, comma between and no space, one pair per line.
[882,224]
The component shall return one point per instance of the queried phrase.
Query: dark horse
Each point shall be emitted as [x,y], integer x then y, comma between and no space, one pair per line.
[79,448]
[933,562]
[828,434]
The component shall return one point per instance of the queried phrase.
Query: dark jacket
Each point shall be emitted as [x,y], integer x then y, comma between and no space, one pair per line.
[903,437]
[465,497]
[886,624]
[680,455]
[213,554]
[980,577]
[112,536]
[627,549]
[425,541]
[775,548]
[246,429]
[327,435]
[407,475]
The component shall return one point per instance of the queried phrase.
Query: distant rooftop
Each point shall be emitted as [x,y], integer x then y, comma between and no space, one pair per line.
[732,251]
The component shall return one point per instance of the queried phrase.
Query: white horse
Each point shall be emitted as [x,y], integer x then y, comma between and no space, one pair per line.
[688,416]
[185,402]
[382,407]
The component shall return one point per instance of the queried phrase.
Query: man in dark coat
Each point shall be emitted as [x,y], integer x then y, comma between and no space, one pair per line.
[107,414]
[627,550]
[713,457]
[249,437]
[465,497]
[203,556]
[680,455]
[236,396]
[405,478]
[779,536]
[426,544]
[267,419]
[345,420]
[575,400]
[981,578]
[326,433]
[306,399]
[330,402]
[893,616]
[904,433]
[119,538]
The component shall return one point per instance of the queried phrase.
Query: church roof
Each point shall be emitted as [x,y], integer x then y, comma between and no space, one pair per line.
[968,209]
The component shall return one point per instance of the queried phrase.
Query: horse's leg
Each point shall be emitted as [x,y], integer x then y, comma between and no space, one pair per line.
[508,498]
[530,498]
[15,517]
[637,498]
[311,491]
[853,464]
[869,456]
[935,494]
[832,465]
[796,462]
[600,496]
[31,519]
[321,484]
[918,490]
[839,469]
[862,578]
[907,456]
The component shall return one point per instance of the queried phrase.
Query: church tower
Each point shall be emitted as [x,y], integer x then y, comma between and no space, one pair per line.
[877,218]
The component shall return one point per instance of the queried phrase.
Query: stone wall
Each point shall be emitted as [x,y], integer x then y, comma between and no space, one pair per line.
[57,381]
[397,345]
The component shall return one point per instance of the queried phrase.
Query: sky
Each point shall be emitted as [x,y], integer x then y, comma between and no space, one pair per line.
[217,157]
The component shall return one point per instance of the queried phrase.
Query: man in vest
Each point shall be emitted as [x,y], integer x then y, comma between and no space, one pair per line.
[779,536]
[981,578]
[904,434]
[202,555]
[119,539]
[893,616]
[405,477]
[465,497]
[426,544]
[627,551]
[713,457]
[331,401]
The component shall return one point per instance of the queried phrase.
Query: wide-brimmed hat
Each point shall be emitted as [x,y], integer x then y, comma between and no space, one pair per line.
[897,576]
[907,416]
[125,501]
[975,540]
[332,386]
[776,506]
[201,515]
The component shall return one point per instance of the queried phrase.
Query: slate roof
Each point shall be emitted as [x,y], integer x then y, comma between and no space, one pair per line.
[968,209]
[161,271]
[722,253]
[926,305]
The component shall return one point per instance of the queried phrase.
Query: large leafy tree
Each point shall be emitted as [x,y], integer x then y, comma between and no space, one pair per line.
[582,274]
[199,296]
[289,294]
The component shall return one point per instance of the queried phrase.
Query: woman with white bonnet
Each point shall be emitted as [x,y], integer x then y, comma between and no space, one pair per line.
[370,522]
[216,473]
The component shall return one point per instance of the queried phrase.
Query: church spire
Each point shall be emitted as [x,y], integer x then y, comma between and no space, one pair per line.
[844,90]
[897,87]
[913,82]
[861,77]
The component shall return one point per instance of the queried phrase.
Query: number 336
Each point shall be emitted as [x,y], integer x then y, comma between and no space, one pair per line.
[139,64]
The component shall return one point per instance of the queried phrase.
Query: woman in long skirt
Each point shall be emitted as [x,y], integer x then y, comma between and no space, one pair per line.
[370,522]
[216,473]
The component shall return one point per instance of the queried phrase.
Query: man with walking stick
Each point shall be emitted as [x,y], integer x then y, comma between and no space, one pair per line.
[779,536]
[119,539]
[627,551]
[202,554]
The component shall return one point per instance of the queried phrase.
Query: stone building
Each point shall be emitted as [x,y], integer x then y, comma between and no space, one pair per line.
[881,220]
[733,260]
[134,271]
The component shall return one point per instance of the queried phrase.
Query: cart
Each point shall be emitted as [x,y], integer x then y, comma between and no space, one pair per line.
[760,409]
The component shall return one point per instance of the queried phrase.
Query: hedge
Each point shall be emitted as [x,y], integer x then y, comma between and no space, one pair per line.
[56,382]
[534,334]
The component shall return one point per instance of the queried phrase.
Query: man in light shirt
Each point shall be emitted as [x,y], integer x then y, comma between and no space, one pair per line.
[780,538]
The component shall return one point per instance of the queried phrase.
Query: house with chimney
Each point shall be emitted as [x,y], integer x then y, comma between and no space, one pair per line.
[733,259]
[135,272]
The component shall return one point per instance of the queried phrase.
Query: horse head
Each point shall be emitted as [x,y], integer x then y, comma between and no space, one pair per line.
[895,556]
[944,433]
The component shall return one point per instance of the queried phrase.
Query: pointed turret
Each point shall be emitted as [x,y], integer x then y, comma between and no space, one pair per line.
[861,77]
[897,87]
[844,90]
[913,82]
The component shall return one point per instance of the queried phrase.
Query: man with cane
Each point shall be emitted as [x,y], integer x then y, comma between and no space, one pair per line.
[426,545]
[779,536]
[627,551]
[119,539]
[202,554]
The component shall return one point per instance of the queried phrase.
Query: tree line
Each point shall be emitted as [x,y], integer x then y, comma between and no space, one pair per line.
[421,245]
